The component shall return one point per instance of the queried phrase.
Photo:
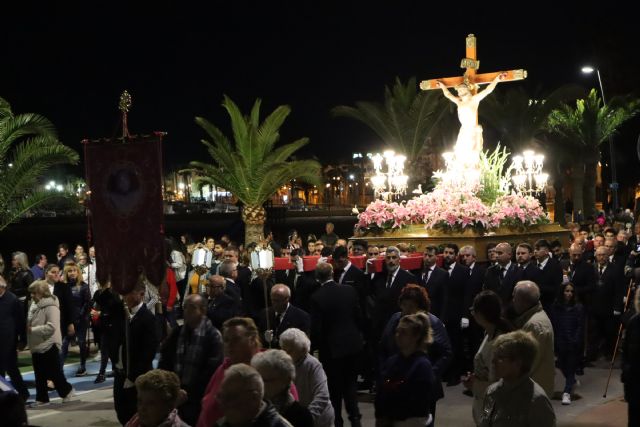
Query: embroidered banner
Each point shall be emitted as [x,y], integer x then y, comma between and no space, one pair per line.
[126,214]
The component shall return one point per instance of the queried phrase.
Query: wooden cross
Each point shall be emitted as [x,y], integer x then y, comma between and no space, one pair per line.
[470,63]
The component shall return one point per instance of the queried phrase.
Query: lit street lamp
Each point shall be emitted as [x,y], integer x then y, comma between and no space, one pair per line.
[614,180]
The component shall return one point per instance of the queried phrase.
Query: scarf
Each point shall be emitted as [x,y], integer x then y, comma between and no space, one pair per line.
[189,351]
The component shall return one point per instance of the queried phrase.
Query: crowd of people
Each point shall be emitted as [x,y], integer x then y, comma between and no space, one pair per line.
[236,346]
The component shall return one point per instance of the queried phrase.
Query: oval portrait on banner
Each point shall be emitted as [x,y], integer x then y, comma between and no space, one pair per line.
[124,189]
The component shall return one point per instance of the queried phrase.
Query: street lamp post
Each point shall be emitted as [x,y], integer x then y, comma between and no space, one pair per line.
[614,178]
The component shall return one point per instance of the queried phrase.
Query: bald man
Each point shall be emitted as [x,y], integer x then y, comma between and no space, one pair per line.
[605,307]
[502,276]
[532,318]
[282,316]
[581,274]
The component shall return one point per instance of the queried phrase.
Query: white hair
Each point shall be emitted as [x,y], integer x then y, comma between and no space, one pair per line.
[278,360]
[246,374]
[295,338]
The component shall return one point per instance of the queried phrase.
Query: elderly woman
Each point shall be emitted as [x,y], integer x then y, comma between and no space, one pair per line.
[406,382]
[516,400]
[278,372]
[81,302]
[310,379]
[158,395]
[487,312]
[44,340]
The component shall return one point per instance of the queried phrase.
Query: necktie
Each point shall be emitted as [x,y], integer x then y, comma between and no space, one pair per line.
[601,270]
[503,272]
[389,279]
[540,265]
[429,274]
[336,275]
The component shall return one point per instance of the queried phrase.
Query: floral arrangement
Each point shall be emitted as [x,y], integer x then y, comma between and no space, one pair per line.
[453,211]
[462,199]
[515,210]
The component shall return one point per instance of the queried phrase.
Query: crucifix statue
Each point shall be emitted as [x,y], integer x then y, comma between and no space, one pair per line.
[469,142]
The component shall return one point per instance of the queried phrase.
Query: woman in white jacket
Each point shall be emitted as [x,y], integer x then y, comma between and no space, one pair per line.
[44,340]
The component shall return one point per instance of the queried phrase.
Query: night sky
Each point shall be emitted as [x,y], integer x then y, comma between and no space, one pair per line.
[179,59]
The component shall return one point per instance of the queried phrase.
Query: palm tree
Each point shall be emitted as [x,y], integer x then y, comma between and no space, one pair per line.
[252,168]
[29,147]
[520,118]
[587,126]
[405,121]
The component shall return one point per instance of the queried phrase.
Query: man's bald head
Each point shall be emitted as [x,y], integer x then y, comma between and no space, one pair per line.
[503,253]
[575,253]
[216,286]
[281,290]
[526,294]
[280,295]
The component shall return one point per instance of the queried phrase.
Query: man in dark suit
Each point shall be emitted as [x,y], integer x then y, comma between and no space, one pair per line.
[550,278]
[386,287]
[582,275]
[345,273]
[474,334]
[454,309]
[434,279]
[527,270]
[132,354]
[336,334]
[242,279]
[605,308]
[220,305]
[229,270]
[282,316]
[501,277]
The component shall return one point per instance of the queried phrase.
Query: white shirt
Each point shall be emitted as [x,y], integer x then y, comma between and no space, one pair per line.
[346,268]
[135,310]
[542,264]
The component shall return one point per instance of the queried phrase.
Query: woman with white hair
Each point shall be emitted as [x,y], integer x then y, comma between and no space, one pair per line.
[278,372]
[310,379]
[44,340]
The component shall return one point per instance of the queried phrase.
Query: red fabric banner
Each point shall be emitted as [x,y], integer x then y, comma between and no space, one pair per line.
[126,215]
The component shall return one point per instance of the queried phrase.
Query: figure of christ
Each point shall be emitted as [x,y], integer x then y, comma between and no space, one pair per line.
[470,135]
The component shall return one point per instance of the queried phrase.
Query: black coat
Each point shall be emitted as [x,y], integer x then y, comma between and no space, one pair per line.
[474,287]
[223,308]
[435,285]
[549,282]
[503,286]
[455,294]
[19,282]
[631,355]
[530,272]
[12,326]
[608,292]
[386,299]
[68,310]
[306,286]
[583,276]
[357,279]
[336,322]
[568,326]
[293,318]
[143,343]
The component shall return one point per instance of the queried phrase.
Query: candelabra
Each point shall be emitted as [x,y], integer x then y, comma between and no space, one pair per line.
[528,177]
[393,182]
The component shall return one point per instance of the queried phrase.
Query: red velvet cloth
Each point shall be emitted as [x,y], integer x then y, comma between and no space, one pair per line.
[126,212]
